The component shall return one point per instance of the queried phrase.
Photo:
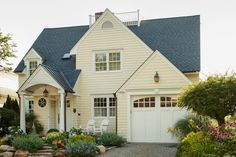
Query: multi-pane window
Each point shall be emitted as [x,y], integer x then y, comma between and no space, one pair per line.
[167,101]
[114,61]
[100,107]
[32,66]
[112,107]
[104,107]
[107,61]
[144,102]
[31,106]
[101,62]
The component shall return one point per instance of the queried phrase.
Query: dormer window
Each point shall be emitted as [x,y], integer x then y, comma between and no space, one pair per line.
[32,66]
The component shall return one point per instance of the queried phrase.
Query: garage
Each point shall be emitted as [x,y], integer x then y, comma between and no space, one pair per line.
[152,115]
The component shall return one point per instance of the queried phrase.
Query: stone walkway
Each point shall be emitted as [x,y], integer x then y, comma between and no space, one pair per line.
[142,150]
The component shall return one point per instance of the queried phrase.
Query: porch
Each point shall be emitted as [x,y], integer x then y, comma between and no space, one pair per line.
[51,95]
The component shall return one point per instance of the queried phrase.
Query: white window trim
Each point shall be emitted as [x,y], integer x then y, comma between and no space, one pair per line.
[28,64]
[108,107]
[107,60]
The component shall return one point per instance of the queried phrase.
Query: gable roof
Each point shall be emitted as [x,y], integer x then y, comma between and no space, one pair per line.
[178,39]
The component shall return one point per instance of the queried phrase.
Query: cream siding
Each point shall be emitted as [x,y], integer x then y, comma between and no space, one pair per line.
[93,83]
[194,77]
[170,78]
[21,79]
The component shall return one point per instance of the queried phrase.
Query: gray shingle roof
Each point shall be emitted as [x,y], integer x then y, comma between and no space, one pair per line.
[178,39]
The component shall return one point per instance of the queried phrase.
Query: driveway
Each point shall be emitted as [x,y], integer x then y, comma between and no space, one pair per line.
[142,150]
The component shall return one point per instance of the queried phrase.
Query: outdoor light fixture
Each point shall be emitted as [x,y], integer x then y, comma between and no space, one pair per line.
[45,92]
[156,77]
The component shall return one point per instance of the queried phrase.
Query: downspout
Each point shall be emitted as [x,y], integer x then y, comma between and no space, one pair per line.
[65,110]
[116,112]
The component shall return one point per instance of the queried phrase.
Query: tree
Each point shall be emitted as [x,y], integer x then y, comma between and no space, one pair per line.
[12,104]
[6,51]
[214,97]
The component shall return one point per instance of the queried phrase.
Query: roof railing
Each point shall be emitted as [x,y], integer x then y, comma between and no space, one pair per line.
[127,18]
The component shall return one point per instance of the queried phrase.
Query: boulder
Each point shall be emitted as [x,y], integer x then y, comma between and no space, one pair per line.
[21,153]
[6,154]
[59,154]
[102,149]
[6,148]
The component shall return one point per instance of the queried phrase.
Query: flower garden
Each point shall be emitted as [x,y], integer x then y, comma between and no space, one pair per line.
[71,143]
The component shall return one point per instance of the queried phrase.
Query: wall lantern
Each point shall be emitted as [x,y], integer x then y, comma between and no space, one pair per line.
[45,92]
[156,77]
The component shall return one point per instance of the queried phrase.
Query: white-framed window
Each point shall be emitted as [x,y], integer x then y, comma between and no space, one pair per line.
[31,106]
[104,107]
[32,66]
[108,61]
[168,101]
[145,102]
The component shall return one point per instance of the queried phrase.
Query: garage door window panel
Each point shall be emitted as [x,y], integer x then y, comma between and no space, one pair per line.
[146,102]
[167,101]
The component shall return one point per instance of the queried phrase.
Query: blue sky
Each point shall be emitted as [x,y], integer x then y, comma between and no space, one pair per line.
[25,19]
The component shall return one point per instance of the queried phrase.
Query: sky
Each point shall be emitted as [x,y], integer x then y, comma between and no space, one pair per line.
[25,19]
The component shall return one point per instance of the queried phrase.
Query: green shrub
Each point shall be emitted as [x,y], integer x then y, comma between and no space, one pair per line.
[196,145]
[81,149]
[193,123]
[111,139]
[3,140]
[73,131]
[30,143]
[52,130]
[86,138]
[227,147]
[53,136]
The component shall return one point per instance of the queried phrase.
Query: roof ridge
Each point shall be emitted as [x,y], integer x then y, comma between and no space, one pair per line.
[175,17]
[65,27]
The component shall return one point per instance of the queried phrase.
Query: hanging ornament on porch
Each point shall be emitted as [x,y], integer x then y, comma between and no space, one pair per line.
[45,92]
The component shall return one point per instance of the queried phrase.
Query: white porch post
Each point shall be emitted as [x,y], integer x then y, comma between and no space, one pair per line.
[62,111]
[22,112]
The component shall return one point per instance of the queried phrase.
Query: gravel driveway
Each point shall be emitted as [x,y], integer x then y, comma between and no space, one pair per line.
[142,150]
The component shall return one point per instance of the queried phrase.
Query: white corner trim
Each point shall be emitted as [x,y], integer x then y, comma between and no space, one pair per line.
[107,11]
[174,67]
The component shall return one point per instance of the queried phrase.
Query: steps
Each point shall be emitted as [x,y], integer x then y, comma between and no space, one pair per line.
[46,151]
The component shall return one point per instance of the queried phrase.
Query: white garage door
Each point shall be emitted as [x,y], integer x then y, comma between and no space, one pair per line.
[151,116]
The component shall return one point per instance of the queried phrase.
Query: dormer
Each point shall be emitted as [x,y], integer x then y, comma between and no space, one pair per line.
[31,61]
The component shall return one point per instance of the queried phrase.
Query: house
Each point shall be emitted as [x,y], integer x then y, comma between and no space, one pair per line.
[128,71]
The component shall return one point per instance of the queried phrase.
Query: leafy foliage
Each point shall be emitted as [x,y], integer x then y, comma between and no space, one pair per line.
[197,144]
[86,138]
[54,136]
[8,118]
[214,97]
[73,131]
[31,120]
[3,140]
[189,124]
[112,139]
[81,149]
[227,147]
[52,130]
[30,143]
[12,104]
[6,51]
